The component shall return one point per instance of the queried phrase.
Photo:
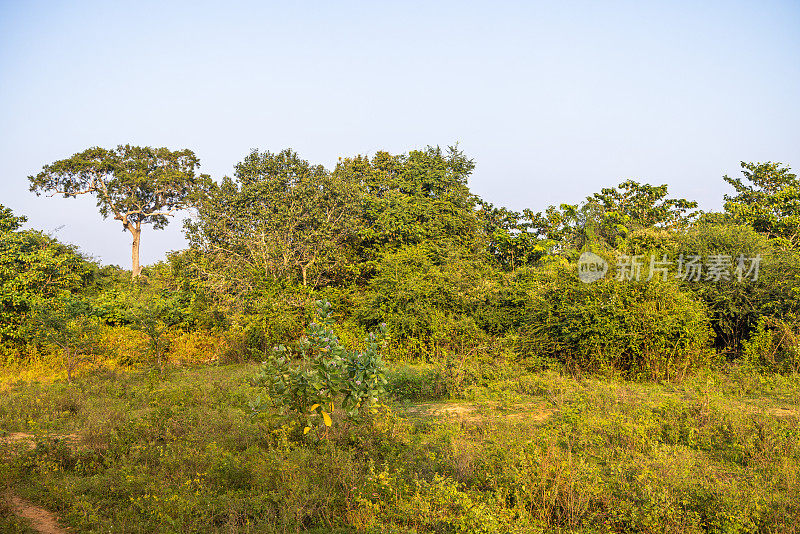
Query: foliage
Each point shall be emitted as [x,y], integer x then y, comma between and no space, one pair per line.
[774,345]
[154,311]
[606,219]
[649,330]
[410,199]
[10,222]
[33,267]
[137,185]
[326,374]
[66,323]
[282,219]
[512,238]
[426,296]
[635,205]
[770,203]
[154,316]
[401,239]
[734,305]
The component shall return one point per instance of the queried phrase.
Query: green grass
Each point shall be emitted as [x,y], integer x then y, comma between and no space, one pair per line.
[124,451]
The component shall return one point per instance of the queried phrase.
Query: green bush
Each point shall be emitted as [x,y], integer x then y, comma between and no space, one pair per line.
[651,330]
[326,374]
[734,307]
[416,383]
[774,346]
[427,297]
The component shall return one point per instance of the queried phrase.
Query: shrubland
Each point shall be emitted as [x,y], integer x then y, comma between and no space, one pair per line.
[373,348]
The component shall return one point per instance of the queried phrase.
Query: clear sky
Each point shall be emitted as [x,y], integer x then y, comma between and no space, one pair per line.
[553,100]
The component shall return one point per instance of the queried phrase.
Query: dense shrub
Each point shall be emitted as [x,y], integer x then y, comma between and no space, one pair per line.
[34,268]
[774,345]
[426,295]
[648,330]
[734,307]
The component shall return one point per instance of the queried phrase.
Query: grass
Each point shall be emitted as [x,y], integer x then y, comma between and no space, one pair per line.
[130,451]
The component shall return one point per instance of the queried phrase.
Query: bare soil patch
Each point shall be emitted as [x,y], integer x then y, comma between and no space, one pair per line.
[470,412]
[41,520]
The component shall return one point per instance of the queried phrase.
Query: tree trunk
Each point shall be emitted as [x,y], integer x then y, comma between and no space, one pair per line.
[136,231]
[69,364]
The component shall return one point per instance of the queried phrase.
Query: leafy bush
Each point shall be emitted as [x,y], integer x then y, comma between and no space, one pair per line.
[734,307]
[326,374]
[64,322]
[774,346]
[33,267]
[416,383]
[651,330]
[154,311]
[427,296]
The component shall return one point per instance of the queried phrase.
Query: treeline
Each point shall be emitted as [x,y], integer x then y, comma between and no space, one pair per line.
[401,239]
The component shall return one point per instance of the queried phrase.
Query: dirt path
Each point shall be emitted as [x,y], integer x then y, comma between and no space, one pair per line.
[469,412]
[22,438]
[41,520]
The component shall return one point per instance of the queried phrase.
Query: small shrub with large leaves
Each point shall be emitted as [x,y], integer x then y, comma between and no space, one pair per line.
[321,374]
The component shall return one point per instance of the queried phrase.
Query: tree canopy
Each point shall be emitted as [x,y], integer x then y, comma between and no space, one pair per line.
[281,217]
[135,185]
[770,202]
[401,239]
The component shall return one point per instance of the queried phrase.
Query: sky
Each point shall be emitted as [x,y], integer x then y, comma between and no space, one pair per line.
[552,100]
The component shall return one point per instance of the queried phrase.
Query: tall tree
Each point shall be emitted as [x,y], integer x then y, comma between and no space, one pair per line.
[136,185]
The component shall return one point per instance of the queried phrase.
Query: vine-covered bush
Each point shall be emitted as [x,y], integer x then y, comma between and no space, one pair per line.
[650,330]
[324,376]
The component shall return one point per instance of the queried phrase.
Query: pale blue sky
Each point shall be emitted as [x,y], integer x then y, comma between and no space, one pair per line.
[553,100]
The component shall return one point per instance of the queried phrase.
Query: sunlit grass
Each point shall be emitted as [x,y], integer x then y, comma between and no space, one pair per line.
[521,452]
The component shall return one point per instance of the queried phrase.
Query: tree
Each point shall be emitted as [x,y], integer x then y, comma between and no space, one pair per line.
[770,203]
[569,227]
[511,236]
[643,205]
[136,185]
[418,197]
[281,217]
[606,219]
[8,221]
